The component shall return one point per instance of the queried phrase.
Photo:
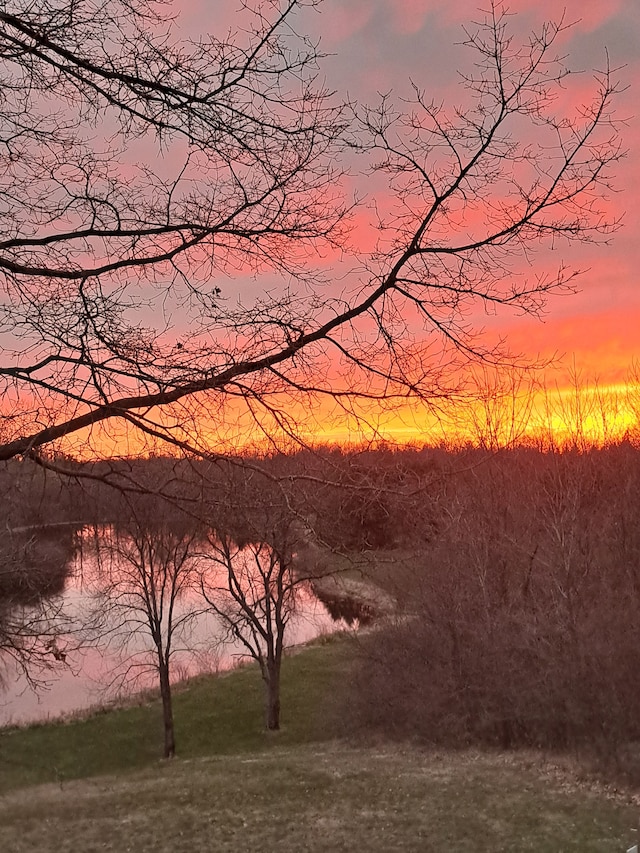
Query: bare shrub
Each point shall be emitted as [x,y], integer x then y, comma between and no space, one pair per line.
[522,628]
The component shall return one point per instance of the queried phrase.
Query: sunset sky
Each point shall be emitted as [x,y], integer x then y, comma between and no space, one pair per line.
[380,44]
[379,47]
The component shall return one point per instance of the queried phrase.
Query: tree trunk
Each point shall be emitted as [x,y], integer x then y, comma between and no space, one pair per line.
[273,696]
[167,713]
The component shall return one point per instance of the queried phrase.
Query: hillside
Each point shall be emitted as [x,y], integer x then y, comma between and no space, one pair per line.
[97,784]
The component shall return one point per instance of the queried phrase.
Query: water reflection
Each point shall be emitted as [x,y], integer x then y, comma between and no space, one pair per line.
[105,667]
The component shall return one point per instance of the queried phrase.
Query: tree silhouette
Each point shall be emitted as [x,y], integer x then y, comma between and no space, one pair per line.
[116,305]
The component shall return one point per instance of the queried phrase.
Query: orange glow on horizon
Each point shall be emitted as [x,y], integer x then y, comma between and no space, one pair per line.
[495,416]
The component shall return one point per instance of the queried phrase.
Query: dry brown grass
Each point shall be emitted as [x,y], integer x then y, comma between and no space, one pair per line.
[324,800]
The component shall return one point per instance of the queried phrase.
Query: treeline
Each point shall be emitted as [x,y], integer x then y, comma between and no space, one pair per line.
[354,501]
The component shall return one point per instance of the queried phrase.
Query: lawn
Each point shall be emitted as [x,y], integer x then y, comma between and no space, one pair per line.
[319,798]
[213,715]
[97,784]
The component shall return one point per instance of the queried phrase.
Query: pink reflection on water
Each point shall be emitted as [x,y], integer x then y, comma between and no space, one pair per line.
[101,672]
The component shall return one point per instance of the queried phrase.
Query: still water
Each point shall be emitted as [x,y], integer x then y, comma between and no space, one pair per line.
[102,670]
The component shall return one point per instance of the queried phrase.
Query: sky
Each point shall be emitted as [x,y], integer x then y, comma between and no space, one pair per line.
[378,45]
[383,46]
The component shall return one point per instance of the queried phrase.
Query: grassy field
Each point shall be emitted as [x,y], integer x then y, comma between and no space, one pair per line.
[213,715]
[318,798]
[97,784]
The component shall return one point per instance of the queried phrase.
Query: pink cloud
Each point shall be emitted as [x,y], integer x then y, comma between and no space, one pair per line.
[340,21]
[409,15]
[589,13]
[604,345]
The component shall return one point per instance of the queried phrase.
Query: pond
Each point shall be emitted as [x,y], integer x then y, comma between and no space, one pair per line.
[116,662]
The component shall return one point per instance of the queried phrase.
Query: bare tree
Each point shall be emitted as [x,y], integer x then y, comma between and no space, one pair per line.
[248,574]
[147,586]
[252,592]
[235,134]
[499,412]
[241,179]
[519,624]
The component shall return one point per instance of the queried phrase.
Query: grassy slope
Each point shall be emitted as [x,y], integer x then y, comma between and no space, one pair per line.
[213,715]
[235,788]
[323,798]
